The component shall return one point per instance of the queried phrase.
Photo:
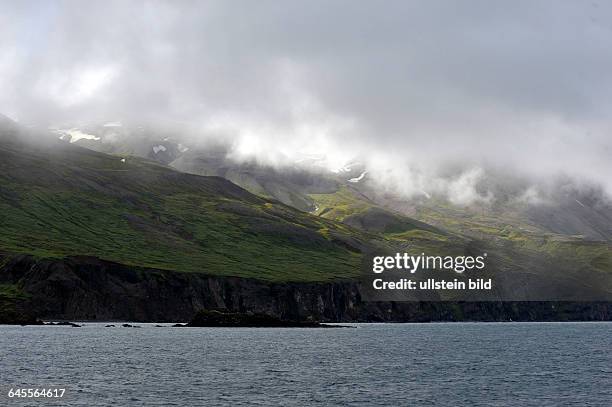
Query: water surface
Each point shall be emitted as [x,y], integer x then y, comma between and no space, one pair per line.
[475,364]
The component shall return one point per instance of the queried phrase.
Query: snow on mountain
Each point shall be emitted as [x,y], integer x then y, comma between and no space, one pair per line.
[74,135]
[359,178]
[346,168]
[157,149]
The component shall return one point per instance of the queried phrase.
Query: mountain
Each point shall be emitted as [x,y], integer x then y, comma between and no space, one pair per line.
[506,231]
[561,207]
[87,234]
[289,185]
[58,199]
[565,234]
[563,222]
[117,138]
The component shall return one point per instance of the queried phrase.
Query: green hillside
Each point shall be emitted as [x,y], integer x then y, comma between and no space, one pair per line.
[60,200]
[515,243]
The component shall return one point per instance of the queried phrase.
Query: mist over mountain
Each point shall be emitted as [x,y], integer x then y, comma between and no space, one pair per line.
[436,98]
[251,156]
[558,204]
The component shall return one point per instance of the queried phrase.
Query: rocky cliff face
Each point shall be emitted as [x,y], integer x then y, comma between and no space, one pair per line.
[86,288]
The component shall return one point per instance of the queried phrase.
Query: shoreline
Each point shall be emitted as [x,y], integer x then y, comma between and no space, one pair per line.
[156,324]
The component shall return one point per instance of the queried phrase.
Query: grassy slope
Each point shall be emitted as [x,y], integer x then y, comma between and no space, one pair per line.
[401,234]
[514,243]
[71,201]
[507,231]
[341,204]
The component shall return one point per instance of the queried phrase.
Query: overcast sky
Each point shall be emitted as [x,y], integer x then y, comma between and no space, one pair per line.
[522,84]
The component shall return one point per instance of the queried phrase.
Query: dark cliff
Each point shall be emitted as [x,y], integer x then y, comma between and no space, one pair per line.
[86,288]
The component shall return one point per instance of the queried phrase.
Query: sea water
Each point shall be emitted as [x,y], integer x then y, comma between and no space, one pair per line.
[451,364]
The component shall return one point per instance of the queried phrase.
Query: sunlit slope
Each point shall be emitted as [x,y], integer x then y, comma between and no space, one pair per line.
[516,237]
[60,200]
[399,233]
[513,242]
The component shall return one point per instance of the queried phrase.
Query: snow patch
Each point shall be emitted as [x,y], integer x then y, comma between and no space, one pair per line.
[157,149]
[182,148]
[74,135]
[346,168]
[359,178]
[113,124]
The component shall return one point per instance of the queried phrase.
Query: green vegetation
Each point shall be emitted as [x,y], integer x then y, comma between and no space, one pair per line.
[514,244]
[477,222]
[64,200]
[507,232]
[399,233]
[70,201]
[417,234]
[341,204]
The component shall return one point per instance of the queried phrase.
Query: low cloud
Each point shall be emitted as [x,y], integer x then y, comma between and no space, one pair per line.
[411,87]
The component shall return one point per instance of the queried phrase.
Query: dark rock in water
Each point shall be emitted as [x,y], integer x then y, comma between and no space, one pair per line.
[64,323]
[130,326]
[234,319]
[159,326]
[109,326]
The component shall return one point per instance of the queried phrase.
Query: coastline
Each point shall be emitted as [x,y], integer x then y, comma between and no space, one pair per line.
[90,289]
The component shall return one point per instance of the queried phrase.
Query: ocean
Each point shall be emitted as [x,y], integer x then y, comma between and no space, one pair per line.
[437,364]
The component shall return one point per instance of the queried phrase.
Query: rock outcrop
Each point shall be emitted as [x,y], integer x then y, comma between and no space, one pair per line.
[87,288]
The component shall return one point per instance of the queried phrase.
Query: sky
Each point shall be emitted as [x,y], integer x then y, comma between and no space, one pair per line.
[411,87]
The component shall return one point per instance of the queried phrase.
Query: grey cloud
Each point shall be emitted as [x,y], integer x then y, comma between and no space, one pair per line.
[525,84]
